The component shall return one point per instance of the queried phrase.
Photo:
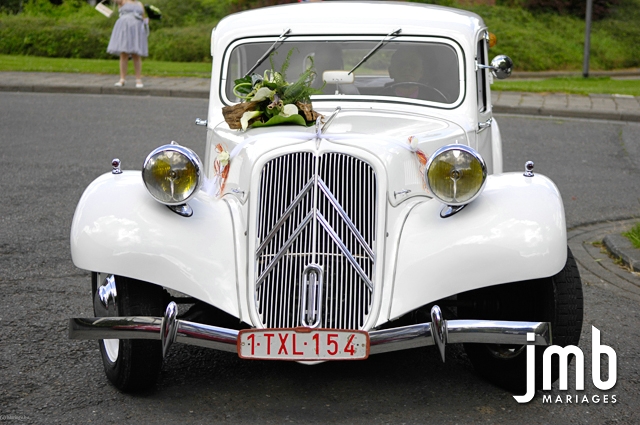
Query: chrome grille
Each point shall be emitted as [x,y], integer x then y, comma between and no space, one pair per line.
[315,259]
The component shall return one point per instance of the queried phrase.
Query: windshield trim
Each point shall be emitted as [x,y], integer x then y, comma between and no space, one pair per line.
[462,77]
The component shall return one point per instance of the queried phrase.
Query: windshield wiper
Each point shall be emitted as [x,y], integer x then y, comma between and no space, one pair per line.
[384,41]
[271,49]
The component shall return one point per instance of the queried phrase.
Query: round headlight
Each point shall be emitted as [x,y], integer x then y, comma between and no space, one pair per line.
[172,174]
[456,174]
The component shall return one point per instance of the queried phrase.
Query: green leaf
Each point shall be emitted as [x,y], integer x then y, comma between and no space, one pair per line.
[243,86]
[279,119]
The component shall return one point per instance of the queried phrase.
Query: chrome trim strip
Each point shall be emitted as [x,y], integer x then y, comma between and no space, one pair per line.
[285,215]
[284,248]
[346,218]
[311,295]
[320,131]
[325,224]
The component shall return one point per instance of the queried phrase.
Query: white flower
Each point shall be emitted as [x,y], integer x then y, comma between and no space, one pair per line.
[289,110]
[413,141]
[262,94]
[244,121]
[223,158]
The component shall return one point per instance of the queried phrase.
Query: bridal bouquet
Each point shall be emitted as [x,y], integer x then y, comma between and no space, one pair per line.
[270,100]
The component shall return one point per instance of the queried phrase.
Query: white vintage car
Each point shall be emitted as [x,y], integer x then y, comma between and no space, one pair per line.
[376,219]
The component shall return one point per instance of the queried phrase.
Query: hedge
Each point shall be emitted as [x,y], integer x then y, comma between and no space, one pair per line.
[39,36]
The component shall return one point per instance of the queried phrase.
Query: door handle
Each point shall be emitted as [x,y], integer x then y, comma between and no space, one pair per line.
[485,125]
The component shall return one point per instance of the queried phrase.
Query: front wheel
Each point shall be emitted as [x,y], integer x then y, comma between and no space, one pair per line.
[556,299]
[130,365]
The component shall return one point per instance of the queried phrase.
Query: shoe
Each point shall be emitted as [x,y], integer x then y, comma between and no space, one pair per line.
[119,83]
[139,84]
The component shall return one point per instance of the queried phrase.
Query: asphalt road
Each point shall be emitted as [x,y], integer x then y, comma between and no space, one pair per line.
[53,145]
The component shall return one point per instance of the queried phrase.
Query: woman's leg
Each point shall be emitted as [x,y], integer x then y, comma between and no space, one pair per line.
[124,65]
[137,65]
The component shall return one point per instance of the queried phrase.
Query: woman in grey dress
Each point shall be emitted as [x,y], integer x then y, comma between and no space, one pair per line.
[129,37]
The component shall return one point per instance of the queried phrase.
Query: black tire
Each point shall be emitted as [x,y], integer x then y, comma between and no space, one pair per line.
[131,365]
[556,299]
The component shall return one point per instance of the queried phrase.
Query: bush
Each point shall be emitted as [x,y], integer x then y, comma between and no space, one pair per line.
[600,10]
[10,6]
[39,36]
[45,8]
[540,41]
[47,37]
[190,44]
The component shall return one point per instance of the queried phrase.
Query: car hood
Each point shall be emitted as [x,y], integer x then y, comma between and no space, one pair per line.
[399,142]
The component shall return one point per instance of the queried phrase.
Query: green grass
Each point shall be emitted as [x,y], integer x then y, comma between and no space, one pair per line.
[102,66]
[574,85]
[634,235]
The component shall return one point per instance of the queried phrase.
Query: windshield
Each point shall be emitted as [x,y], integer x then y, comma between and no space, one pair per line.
[423,71]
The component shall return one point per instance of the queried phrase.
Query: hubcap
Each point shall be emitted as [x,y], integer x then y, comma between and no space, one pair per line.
[502,351]
[112,348]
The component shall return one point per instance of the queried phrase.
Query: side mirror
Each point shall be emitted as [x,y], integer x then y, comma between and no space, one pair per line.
[501,67]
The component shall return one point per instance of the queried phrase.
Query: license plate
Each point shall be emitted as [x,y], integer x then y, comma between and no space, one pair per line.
[303,344]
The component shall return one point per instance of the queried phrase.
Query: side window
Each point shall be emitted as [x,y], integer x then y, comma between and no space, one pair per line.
[481,75]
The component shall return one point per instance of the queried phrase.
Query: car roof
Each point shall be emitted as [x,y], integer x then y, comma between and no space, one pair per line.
[351,17]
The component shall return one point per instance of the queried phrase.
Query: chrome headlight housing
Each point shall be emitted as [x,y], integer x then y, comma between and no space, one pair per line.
[455,174]
[172,174]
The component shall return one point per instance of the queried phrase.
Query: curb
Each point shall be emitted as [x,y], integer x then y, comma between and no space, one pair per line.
[621,247]
[633,72]
[126,91]
[566,113]
[597,267]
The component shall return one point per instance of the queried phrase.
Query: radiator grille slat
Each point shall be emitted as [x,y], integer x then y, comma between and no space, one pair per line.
[316,210]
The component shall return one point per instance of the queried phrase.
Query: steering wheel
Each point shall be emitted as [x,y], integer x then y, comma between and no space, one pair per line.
[439,95]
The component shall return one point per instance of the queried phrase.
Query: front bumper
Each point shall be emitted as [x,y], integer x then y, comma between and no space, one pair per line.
[438,332]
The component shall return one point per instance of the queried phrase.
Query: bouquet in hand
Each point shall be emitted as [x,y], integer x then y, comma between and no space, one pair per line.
[153,12]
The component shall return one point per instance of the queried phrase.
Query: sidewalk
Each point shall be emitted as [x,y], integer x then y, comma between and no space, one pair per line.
[596,106]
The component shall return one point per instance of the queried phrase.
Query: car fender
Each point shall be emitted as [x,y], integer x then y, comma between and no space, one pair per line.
[119,228]
[514,231]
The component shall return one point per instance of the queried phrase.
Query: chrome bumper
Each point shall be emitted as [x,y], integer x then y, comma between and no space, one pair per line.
[439,332]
